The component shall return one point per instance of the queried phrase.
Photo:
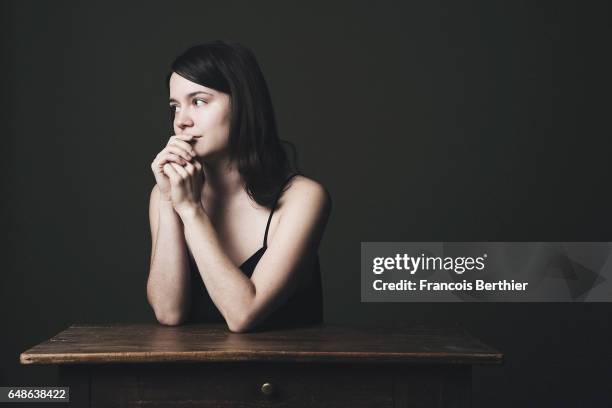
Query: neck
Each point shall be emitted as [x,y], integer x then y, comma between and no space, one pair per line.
[222,180]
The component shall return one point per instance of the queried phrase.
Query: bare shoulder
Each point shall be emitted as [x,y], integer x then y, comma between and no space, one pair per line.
[303,194]
[304,209]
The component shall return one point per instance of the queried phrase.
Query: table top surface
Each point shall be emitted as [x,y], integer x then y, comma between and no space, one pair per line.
[154,343]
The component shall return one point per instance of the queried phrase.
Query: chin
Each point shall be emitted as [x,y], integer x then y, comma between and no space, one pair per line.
[200,149]
[202,153]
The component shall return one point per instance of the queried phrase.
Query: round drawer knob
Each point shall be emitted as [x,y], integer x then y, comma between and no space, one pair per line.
[267,389]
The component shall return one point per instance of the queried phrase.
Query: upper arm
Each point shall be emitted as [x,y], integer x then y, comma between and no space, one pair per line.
[305,210]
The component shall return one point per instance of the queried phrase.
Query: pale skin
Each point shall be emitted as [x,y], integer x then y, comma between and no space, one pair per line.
[199,206]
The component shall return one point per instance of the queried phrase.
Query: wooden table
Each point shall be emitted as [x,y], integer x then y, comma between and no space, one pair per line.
[149,365]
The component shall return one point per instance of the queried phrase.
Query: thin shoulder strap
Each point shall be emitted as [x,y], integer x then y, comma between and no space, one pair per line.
[265,242]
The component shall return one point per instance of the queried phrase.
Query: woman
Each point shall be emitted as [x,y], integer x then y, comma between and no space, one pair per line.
[235,231]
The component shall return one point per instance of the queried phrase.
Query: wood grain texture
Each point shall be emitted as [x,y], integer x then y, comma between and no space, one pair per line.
[153,343]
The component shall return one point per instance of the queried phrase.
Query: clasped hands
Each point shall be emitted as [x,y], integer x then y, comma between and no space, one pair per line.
[179,174]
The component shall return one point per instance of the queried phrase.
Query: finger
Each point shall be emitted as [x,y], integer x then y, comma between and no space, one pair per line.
[181,171]
[167,157]
[185,138]
[181,151]
[199,171]
[189,168]
[187,145]
[198,176]
[174,177]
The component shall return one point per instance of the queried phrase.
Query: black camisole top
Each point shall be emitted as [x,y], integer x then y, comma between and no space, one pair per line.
[304,306]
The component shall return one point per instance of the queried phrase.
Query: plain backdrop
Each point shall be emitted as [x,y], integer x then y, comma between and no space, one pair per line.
[425,120]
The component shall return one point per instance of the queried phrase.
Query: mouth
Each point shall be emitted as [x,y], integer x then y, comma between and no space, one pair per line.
[194,139]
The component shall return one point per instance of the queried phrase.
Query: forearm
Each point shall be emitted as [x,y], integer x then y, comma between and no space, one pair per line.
[168,286]
[232,292]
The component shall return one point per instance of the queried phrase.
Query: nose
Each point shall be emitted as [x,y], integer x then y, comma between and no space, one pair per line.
[183,120]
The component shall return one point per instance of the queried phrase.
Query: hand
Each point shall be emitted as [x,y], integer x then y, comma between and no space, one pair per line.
[178,150]
[186,185]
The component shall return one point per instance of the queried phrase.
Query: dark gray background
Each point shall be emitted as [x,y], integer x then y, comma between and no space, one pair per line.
[426,121]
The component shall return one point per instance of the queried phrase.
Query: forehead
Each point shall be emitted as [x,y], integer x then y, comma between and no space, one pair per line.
[180,86]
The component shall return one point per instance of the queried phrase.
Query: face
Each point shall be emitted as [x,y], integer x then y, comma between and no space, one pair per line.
[202,112]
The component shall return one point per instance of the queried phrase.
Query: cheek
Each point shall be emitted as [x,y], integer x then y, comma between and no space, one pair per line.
[216,122]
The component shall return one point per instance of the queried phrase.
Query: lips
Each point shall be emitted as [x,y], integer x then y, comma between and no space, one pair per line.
[194,139]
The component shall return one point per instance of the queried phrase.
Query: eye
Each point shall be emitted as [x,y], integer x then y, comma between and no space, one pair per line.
[175,108]
[199,102]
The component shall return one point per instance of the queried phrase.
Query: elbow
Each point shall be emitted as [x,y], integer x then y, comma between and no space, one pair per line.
[239,329]
[165,314]
[169,316]
[243,325]
[243,320]
[170,319]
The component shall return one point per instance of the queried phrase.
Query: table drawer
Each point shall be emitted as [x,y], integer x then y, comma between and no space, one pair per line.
[241,385]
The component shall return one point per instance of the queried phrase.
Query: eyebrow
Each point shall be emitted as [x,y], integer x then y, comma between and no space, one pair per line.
[192,94]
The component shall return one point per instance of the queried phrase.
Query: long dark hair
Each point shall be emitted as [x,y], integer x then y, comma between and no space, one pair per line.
[254,144]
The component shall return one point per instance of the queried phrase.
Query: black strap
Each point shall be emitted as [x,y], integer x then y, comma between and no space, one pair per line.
[265,242]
